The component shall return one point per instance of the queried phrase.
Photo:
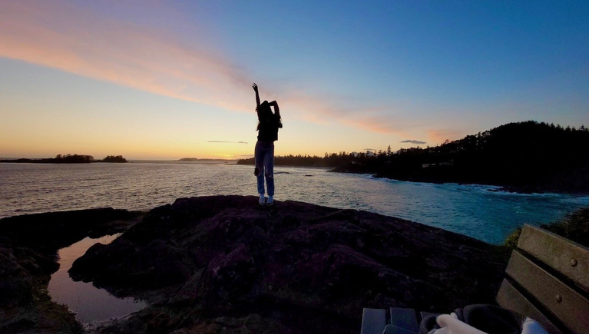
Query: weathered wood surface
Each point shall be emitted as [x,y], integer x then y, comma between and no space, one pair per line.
[565,256]
[547,280]
[511,298]
[563,301]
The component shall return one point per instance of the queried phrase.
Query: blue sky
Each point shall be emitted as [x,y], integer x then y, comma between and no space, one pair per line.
[172,79]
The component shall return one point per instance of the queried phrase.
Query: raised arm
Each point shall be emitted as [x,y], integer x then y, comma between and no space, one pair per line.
[255,87]
[276,109]
[276,112]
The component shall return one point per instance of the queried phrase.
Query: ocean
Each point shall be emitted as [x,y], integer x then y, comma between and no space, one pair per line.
[475,210]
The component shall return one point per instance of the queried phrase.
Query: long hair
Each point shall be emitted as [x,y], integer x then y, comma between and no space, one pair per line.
[267,117]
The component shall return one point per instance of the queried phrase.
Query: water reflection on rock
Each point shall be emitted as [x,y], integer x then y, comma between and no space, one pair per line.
[88,302]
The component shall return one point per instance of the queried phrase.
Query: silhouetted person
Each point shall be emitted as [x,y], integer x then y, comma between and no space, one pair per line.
[268,124]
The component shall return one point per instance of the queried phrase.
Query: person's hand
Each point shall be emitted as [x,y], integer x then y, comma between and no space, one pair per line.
[255,87]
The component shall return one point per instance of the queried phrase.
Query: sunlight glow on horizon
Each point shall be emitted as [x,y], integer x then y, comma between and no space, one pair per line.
[171,81]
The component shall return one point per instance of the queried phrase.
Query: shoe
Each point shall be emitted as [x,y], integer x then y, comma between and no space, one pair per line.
[262,200]
[270,201]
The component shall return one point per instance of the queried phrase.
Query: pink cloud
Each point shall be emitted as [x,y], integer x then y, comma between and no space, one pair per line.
[64,36]
[70,37]
[439,136]
[320,110]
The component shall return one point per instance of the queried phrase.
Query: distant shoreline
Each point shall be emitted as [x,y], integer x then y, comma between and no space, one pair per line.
[51,161]
[35,161]
[68,159]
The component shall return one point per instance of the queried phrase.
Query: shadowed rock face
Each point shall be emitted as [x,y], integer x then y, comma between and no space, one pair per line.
[28,257]
[223,262]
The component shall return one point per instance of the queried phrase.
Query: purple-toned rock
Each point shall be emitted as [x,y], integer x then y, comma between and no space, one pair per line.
[28,257]
[15,283]
[299,267]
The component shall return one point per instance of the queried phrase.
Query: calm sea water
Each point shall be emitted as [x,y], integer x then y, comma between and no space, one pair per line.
[472,210]
[89,303]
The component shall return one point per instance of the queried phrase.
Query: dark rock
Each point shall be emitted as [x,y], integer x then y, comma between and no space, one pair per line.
[231,276]
[156,265]
[15,282]
[191,290]
[61,229]
[223,264]
[28,257]
[298,267]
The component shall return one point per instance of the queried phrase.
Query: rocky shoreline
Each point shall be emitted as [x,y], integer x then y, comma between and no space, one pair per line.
[570,186]
[28,257]
[224,264]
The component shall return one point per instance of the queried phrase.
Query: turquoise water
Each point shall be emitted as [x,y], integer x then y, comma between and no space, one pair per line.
[472,210]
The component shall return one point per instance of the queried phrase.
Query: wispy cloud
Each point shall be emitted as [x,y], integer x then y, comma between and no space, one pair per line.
[343,110]
[71,37]
[61,35]
[416,142]
[439,136]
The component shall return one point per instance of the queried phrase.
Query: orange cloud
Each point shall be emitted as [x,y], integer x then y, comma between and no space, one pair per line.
[439,136]
[60,34]
[318,110]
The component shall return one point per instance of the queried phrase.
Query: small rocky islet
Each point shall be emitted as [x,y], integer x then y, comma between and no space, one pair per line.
[223,264]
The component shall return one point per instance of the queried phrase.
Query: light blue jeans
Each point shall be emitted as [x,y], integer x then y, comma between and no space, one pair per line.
[264,159]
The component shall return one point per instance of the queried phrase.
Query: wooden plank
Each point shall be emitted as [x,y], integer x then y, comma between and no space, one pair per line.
[405,318]
[510,298]
[373,321]
[565,256]
[565,303]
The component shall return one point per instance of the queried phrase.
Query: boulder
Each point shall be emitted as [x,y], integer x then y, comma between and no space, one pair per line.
[296,266]
[28,257]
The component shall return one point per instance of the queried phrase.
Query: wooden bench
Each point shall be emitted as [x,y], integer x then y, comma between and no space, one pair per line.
[547,279]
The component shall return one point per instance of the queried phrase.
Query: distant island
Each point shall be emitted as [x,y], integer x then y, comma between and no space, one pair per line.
[521,157]
[69,159]
[112,158]
[188,159]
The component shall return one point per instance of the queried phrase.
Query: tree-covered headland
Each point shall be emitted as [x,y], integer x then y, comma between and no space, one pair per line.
[73,158]
[525,156]
[69,159]
[112,158]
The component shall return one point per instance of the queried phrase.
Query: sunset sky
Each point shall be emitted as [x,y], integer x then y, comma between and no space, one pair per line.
[171,79]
